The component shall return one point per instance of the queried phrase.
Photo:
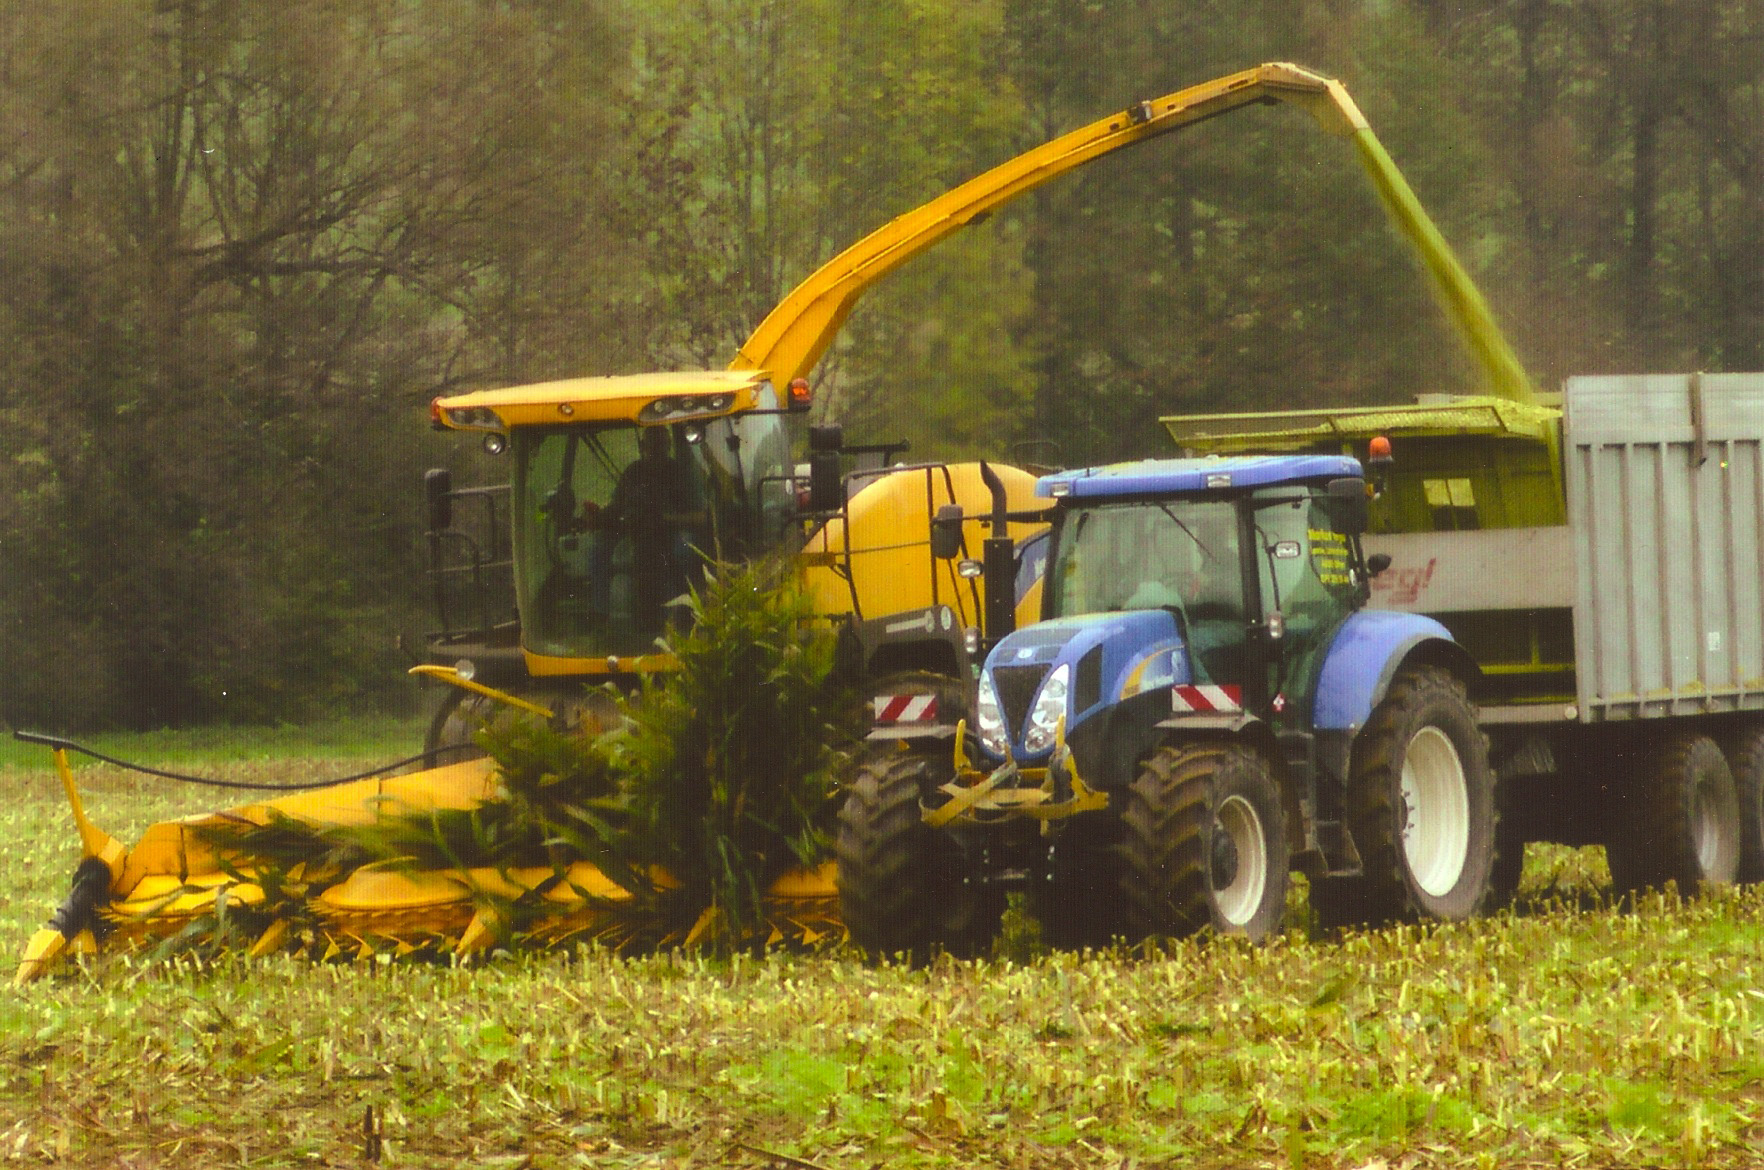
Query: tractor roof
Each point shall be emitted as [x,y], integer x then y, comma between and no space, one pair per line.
[1171,476]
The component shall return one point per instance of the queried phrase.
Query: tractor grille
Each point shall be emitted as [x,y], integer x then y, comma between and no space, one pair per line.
[1016,687]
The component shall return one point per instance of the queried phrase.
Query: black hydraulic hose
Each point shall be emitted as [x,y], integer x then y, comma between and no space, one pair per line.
[67,745]
[91,887]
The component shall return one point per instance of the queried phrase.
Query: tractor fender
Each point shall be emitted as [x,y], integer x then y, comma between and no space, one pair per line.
[1364,657]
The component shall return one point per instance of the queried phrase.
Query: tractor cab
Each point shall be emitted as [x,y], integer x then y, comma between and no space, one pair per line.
[1211,583]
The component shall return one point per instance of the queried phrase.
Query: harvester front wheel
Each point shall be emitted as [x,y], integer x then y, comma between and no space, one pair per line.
[1421,807]
[903,889]
[1681,823]
[1204,844]
[459,717]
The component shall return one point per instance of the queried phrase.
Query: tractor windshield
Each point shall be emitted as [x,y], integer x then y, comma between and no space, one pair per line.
[614,524]
[1178,553]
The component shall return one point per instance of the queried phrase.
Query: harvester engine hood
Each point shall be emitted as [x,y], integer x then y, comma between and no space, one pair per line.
[1072,670]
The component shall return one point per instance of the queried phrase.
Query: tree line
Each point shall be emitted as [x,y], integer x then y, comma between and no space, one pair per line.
[243,244]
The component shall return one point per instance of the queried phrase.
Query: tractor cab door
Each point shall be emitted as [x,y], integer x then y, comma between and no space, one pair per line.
[1306,577]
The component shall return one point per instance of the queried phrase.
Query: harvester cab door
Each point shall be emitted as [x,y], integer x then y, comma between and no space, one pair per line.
[1307,589]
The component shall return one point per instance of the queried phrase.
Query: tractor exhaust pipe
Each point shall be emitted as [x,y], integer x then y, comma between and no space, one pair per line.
[1000,560]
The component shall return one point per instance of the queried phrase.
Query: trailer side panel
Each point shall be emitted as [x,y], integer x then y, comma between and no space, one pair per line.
[1665,485]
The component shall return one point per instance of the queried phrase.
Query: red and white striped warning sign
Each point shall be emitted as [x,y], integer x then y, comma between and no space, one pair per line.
[1187,698]
[905,708]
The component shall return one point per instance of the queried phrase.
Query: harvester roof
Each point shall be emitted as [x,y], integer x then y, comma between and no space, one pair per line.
[1172,476]
[644,398]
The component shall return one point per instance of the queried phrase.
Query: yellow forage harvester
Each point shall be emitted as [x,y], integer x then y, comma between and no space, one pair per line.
[701,822]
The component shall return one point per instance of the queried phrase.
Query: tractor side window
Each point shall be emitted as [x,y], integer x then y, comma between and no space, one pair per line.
[1031,563]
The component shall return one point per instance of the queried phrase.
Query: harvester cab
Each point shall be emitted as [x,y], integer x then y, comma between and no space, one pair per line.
[619,488]
[624,490]
[1204,705]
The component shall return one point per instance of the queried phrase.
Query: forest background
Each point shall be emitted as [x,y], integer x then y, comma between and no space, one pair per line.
[243,243]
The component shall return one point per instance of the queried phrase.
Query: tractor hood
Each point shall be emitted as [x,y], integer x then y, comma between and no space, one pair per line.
[1070,669]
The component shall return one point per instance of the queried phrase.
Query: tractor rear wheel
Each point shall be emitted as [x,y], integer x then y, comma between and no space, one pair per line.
[1681,822]
[903,887]
[1421,808]
[1204,844]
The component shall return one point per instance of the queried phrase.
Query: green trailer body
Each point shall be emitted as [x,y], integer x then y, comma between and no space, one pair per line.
[1601,555]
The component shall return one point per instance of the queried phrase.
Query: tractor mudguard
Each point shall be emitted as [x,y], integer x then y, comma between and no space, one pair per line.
[1364,657]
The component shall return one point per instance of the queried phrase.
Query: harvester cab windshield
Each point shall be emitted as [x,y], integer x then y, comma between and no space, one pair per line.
[614,522]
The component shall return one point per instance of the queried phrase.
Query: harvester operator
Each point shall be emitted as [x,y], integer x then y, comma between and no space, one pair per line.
[656,503]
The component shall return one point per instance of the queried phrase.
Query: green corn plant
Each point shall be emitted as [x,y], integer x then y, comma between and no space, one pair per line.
[730,762]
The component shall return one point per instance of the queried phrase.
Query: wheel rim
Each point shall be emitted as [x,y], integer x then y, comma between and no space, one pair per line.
[1715,829]
[1239,900]
[1436,798]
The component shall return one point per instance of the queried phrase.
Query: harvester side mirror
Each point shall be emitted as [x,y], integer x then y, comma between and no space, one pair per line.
[438,495]
[826,482]
[1346,504]
[946,532]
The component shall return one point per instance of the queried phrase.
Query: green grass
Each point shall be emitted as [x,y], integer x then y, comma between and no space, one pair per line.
[377,738]
[1563,1036]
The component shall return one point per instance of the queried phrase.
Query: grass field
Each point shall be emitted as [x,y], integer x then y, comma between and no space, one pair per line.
[1571,1034]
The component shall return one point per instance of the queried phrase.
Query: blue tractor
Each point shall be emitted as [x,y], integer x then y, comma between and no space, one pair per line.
[1205,705]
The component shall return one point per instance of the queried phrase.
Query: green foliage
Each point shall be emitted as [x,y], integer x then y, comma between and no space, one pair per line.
[732,759]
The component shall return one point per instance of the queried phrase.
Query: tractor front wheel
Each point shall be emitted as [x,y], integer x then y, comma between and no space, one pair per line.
[903,887]
[1204,844]
[459,717]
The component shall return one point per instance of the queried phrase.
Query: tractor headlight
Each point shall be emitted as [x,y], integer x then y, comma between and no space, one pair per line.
[989,719]
[1049,709]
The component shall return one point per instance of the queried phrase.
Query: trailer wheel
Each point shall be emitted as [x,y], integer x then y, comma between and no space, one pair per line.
[1745,757]
[902,886]
[1421,807]
[1681,823]
[1204,844]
